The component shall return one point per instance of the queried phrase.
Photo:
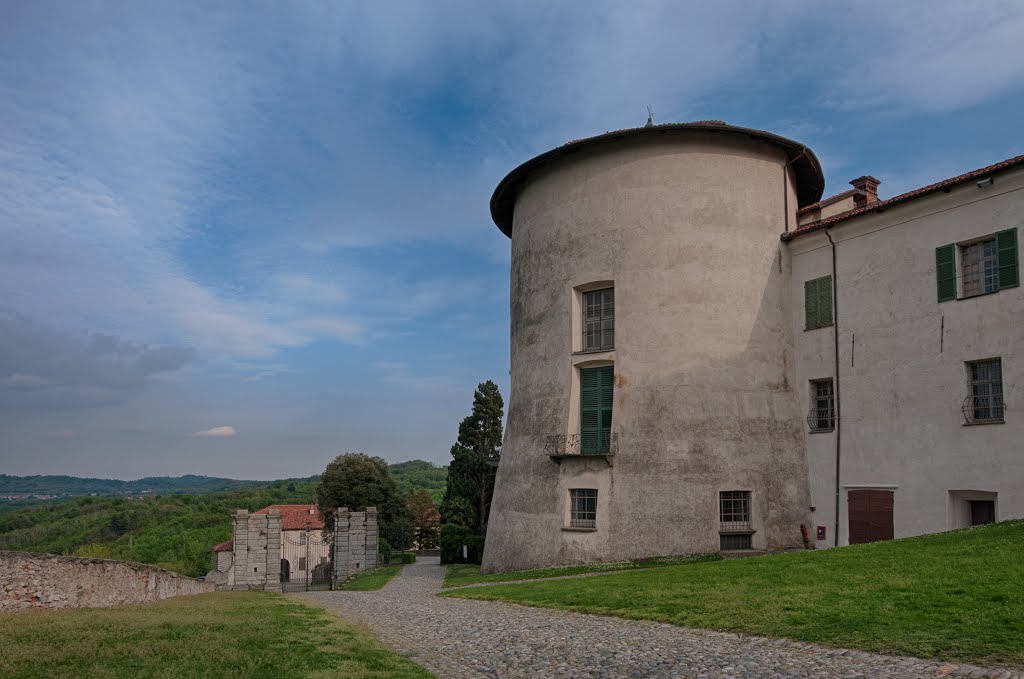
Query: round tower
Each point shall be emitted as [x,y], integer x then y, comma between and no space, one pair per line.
[652,409]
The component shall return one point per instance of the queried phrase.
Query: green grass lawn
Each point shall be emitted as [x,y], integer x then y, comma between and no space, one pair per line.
[956,595]
[458,575]
[224,634]
[372,579]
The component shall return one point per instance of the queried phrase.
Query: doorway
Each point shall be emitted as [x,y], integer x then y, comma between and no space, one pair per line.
[983,512]
[870,513]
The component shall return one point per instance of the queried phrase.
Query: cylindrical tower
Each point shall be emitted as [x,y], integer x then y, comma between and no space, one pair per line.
[652,408]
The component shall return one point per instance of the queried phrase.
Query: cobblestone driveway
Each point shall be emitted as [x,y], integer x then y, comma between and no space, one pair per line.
[459,638]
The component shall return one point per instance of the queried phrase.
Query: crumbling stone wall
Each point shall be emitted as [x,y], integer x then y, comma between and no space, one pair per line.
[356,536]
[30,580]
[257,551]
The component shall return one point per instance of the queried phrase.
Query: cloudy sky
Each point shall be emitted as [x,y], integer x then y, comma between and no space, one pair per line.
[240,238]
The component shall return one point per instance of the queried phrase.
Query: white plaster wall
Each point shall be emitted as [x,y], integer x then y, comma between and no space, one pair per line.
[901,395]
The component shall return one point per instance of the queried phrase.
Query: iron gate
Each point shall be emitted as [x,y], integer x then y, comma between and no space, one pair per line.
[306,559]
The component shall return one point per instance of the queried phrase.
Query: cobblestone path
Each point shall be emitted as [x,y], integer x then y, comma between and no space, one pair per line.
[459,639]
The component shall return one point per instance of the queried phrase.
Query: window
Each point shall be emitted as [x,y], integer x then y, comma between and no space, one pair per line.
[979,262]
[302,538]
[599,320]
[302,563]
[987,265]
[985,402]
[583,508]
[734,520]
[596,394]
[818,303]
[822,416]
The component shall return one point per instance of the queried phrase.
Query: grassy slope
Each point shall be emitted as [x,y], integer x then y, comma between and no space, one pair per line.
[458,575]
[951,595]
[421,475]
[226,634]
[372,580]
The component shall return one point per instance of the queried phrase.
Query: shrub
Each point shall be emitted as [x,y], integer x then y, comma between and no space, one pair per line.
[453,537]
[384,548]
[408,557]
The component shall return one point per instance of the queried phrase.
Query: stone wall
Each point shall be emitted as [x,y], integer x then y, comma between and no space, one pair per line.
[356,536]
[257,551]
[30,580]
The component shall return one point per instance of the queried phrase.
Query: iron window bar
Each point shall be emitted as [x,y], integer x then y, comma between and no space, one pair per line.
[821,419]
[984,409]
[583,509]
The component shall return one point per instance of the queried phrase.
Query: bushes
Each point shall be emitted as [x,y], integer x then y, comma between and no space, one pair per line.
[384,549]
[453,537]
[408,557]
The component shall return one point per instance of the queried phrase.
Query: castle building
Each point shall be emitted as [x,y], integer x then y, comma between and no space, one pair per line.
[706,356]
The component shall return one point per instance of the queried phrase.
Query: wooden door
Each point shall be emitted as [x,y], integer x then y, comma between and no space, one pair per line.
[870,513]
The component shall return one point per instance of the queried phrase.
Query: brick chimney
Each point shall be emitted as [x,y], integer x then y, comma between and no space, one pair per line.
[868,188]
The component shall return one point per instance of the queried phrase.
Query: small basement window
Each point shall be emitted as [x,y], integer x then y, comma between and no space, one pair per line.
[735,528]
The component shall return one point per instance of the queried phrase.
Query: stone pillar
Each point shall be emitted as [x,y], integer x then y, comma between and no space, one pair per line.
[341,520]
[356,543]
[241,549]
[272,581]
[372,536]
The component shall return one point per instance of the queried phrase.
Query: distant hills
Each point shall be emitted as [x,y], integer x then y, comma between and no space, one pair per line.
[63,486]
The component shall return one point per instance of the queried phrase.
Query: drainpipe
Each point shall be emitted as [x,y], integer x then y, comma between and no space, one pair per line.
[835,353]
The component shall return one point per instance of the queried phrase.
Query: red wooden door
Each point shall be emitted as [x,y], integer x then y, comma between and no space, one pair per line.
[870,513]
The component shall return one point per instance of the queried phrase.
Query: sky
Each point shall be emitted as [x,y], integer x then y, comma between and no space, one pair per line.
[241,238]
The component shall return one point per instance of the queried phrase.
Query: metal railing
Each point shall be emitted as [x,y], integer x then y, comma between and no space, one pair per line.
[983,409]
[572,445]
[821,419]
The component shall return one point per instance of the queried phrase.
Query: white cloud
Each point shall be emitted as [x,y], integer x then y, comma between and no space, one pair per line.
[22,381]
[216,432]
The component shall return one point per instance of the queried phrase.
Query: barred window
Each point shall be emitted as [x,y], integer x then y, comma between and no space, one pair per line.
[734,510]
[302,538]
[985,402]
[583,508]
[822,416]
[599,320]
[980,264]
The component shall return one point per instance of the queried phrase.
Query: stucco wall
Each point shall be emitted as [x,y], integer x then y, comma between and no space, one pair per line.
[688,232]
[902,361]
[29,580]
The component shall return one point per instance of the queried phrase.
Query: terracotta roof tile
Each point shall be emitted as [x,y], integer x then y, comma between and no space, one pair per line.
[295,517]
[905,197]
[225,546]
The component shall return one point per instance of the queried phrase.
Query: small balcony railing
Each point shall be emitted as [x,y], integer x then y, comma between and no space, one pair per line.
[983,409]
[821,419]
[561,446]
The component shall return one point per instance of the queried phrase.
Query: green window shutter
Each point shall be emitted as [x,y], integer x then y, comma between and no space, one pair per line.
[1009,271]
[596,393]
[824,301]
[945,272]
[810,305]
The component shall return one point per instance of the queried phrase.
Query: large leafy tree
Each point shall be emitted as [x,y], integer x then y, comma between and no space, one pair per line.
[358,481]
[425,519]
[467,498]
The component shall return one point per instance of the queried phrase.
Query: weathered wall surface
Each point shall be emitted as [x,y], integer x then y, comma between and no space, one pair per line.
[257,551]
[356,537]
[687,231]
[29,580]
[902,356]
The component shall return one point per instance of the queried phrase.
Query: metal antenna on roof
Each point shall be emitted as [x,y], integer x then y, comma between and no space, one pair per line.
[650,117]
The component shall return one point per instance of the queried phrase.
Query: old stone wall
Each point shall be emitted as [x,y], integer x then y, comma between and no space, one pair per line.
[257,551]
[356,536]
[30,580]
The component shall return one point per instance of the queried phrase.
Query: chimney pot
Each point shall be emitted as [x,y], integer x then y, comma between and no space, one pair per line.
[868,187]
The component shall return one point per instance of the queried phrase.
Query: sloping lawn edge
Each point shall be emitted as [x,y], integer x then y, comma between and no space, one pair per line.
[372,580]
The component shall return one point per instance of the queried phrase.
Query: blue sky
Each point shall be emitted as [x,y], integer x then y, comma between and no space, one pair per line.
[240,238]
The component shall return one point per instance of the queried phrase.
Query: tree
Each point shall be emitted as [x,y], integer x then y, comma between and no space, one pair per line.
[359,481]
[467,498]
[425,518]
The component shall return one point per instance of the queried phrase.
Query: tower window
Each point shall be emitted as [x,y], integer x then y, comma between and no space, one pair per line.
[599,320]
[583,508]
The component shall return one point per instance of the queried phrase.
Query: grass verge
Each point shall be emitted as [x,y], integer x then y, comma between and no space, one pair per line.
[952,595]
[368,581]
[223,634]
[458,575]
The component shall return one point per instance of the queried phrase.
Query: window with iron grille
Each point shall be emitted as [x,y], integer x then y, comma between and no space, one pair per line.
[583,508]
[735,541]
[822,416]
[734,510]
[980,267]
[985,403]
[599,320]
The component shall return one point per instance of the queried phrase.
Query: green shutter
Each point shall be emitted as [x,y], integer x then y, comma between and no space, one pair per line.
[810,305]
[945,272]
[596,394]
[1009,272]
[824,301]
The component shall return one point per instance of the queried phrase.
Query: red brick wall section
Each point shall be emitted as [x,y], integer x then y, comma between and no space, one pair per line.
[29,580]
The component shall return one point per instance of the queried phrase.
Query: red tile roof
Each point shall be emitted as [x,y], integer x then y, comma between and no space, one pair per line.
[826,201]
[228,546]
[296,517]
[1001,166]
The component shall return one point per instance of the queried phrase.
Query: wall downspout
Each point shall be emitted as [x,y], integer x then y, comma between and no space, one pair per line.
[835,353]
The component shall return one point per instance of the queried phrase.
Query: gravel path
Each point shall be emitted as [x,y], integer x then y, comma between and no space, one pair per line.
[458,638]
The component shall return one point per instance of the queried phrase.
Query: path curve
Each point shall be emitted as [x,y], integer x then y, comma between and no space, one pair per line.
[459,638]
